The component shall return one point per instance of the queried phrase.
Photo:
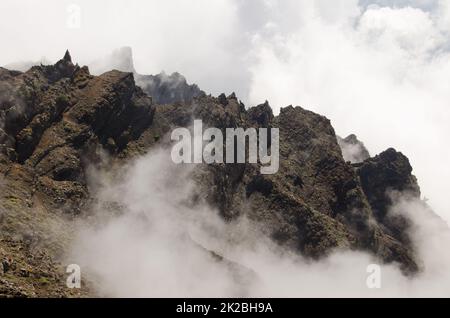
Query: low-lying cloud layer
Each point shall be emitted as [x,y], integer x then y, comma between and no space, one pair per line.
[159,245]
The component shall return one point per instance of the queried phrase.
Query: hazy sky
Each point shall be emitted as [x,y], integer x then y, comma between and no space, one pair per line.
[379,69]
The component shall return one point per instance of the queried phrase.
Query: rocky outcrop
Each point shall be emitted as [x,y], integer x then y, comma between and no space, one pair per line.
[59,120]
[383,178]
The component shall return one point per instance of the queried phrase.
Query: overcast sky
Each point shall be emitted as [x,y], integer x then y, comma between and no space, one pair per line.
[379,69]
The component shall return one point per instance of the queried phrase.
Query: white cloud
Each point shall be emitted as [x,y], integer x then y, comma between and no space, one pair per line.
[423,4]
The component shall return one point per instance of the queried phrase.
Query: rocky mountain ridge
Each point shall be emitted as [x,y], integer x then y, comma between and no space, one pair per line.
[58,120]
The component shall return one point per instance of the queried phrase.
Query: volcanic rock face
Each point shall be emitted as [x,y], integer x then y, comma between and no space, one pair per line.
[58,120]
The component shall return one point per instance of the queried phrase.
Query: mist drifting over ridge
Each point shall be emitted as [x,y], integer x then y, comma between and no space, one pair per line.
[161,247]
[378,69]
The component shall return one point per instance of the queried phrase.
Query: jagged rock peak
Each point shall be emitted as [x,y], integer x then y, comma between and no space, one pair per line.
[67,57]
[389,171]
[262,114]
[384,178]
[63,68]
[232,96]
[223,99]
